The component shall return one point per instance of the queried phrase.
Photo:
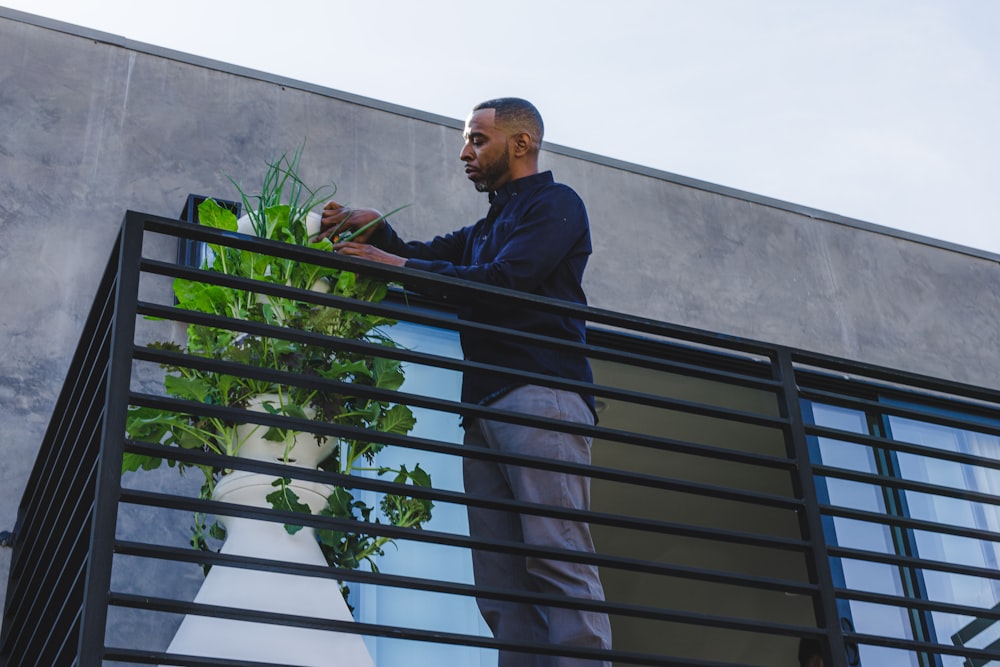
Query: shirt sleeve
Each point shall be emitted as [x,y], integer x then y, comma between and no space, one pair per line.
[449,248]
[532,245]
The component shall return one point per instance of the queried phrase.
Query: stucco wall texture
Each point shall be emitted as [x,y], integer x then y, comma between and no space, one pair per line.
[92,125]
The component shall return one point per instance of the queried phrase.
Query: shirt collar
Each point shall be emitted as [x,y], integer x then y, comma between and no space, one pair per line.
[520,185]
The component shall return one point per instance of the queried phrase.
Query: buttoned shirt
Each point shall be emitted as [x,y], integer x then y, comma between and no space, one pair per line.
[535,238]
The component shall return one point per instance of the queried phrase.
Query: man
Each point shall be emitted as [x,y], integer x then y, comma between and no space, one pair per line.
[535,238]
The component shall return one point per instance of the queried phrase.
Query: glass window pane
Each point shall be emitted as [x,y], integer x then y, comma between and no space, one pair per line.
[972,591]
[846,455]
[872,577]
[882,620]
[416,609]
[866,535]
[881,656]
[855,495]
[842,419]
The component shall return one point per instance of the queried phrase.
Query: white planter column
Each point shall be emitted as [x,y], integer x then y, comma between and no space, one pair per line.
[271,592]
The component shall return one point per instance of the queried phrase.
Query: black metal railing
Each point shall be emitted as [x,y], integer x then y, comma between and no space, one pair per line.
[721,537]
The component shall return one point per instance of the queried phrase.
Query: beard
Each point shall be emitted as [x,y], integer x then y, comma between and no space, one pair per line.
[493,172]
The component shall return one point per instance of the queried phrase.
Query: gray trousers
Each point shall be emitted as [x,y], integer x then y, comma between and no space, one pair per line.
[525,622]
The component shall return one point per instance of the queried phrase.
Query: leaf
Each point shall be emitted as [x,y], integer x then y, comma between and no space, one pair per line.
[286,499]
[211,214]
[277,223]
[190,440]
[218,531]
[275,434]
[322,244]
[202,297]
[284,408]
[294,410]
[339,503]
[194,389]
[397,419]
[346,282]
[339,369]
[419,476]
[330,538]
[270,408]
[388,373]
[133,462]
[154,425]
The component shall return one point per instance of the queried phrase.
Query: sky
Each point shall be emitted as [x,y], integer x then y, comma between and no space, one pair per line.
[885,111]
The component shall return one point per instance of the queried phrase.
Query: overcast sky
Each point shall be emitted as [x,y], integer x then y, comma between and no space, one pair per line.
[881,110]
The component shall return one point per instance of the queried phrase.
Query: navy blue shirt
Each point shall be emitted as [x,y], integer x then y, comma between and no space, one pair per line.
[536,239]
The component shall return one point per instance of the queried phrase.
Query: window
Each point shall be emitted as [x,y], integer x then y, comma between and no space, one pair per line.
[941,482]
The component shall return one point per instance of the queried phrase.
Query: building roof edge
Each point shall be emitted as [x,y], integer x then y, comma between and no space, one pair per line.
[238,70]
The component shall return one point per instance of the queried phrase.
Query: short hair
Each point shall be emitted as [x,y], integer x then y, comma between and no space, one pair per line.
[517,113]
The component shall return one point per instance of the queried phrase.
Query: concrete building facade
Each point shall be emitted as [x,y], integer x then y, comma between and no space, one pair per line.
[94,125]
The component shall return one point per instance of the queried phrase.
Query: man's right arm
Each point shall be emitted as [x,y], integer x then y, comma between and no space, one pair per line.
[369,226]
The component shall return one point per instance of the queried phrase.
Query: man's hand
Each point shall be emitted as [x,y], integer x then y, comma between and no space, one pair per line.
[338,221]
[370,252]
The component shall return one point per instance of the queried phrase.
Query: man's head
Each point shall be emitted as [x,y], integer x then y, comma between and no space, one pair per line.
[502,141]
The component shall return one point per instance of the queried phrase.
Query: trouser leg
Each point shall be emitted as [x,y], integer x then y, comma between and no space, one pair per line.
[494,569]
[553,624]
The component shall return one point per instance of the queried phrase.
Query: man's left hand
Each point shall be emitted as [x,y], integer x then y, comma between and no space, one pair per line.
[369,252]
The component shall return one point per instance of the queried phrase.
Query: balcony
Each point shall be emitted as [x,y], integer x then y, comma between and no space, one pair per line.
[747,499]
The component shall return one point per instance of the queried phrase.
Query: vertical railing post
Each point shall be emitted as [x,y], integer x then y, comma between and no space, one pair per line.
[811,520]
[108,483]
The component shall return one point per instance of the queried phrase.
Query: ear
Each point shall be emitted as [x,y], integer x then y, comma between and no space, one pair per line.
[522,144]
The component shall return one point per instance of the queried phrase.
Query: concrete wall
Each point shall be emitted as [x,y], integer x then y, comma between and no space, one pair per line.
[92,125]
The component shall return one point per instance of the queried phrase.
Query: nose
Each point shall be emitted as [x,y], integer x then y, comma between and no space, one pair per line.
[466,155]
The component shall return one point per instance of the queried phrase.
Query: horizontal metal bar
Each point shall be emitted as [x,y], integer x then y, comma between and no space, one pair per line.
[435,537]
[727,366]
[864,374]
[712,361]
[498,294]
[361,347]
[913,562]
[883,408]
[976,408]
[905,522]
[888,444]
[885,481]
[375,630]
[388,309]
[922,647]
[341,431]
[802,358]
[446,321]
[146,657]
[467,409]
[916,603]
[463,590]
[466,499]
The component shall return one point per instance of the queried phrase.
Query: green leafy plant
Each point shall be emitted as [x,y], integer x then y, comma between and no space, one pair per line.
[280,212]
